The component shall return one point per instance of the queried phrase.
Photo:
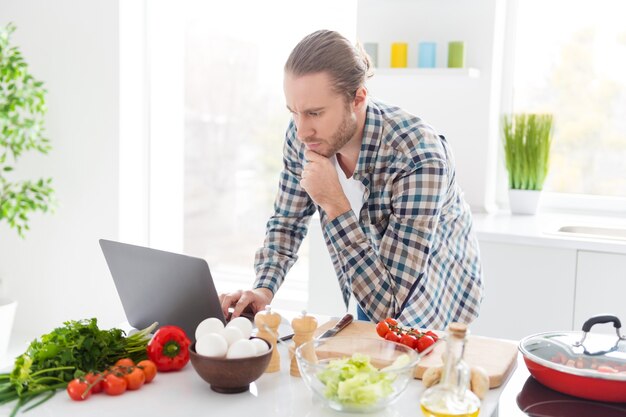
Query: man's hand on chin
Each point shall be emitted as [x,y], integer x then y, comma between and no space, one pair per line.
[320,181]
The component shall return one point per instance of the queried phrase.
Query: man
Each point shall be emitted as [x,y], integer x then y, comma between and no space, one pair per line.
[393,217]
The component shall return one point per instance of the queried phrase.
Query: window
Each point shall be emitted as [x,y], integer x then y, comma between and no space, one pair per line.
[570,59]
[235,120]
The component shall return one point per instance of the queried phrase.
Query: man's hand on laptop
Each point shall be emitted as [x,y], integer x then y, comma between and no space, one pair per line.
[241,300]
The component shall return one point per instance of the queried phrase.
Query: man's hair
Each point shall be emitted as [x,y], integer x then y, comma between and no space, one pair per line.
[328,51]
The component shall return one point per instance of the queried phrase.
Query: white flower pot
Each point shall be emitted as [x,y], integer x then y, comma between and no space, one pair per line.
[7,314]
[524,201]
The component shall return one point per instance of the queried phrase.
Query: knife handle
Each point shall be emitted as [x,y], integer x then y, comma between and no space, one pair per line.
[345,320]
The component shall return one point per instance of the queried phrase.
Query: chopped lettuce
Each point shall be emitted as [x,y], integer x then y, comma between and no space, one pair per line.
[355,382]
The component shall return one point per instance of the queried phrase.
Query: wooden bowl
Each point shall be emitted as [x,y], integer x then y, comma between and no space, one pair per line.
[230,376]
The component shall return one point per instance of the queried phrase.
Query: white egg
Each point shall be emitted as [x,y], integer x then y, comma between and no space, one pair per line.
[210,325]
[213,345]
[242,348]
[260,345]
[242,324]
[231,334]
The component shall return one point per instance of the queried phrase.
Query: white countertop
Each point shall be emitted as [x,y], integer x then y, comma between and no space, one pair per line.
[542,230]
[184,393]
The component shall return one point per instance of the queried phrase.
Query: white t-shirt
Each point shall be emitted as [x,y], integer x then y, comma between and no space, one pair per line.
[353,189]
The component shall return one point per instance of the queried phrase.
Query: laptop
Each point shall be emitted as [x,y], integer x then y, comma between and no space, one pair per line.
[160,286]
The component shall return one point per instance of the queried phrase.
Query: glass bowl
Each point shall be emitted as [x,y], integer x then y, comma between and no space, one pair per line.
[356,374]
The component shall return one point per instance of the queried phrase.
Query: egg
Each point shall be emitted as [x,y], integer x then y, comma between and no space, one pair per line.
[242,324]
[213,345]
[242,348]
[260,346]
[231,334]
[210,325]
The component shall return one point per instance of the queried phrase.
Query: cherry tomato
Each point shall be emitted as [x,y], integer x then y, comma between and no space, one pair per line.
[135,378]
[432,334]
[125,363]
[423,342]
[382,328]
[391,321]
[78,390]
[114,385]
[95,381]
[393,337]
[149,369]
[408,340]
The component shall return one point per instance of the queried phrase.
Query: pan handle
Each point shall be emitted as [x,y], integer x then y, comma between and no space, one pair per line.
[603,318]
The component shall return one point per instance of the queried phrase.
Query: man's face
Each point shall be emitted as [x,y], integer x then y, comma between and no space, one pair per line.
[324,121]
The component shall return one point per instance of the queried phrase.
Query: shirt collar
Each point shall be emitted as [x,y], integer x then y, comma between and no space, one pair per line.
[370,143]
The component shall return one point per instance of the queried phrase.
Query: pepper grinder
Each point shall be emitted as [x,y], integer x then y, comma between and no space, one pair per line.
[270,334]
[303,328]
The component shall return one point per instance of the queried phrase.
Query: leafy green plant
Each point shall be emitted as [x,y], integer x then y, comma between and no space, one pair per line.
[22,110]
[68,352]
[527,139]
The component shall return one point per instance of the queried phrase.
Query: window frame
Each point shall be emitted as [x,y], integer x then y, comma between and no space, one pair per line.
[550,201]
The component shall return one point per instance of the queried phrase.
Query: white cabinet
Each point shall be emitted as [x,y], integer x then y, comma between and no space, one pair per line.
[528,289]
[600,288]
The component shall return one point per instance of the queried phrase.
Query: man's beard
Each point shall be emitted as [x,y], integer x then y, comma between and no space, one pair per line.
[344,133]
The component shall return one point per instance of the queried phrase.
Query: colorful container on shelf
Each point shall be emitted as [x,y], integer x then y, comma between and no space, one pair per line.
[427,55]
[456,54]
[371,48]
[399,55]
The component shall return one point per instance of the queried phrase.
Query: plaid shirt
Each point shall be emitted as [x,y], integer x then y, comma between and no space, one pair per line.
[413,255]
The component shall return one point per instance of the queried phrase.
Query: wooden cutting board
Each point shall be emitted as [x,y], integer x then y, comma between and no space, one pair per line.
[496,356]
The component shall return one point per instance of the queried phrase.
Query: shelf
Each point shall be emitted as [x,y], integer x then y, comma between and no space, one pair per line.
[461,72]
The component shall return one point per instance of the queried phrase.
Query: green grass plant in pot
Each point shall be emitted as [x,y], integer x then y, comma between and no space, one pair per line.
[22,111]
[527,140]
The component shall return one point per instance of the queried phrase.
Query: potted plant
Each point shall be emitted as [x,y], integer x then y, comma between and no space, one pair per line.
[22,110]
[527,140]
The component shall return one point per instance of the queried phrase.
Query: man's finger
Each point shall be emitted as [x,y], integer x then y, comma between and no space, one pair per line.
[313,156]
[241,304]
[228,300]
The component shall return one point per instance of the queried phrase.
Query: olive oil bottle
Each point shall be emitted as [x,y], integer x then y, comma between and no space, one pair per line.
[452,397]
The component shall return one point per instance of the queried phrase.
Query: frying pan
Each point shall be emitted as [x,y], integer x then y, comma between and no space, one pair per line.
[582,364]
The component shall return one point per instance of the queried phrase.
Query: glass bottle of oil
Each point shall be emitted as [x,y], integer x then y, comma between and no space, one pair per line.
[452,397]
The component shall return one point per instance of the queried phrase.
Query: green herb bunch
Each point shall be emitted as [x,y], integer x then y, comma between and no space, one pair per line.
[68,352]
[527,140]
[22,111]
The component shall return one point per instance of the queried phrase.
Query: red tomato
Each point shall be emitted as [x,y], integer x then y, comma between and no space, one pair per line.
[95,381]
[408,340]
[149,369]
[382,329]
[135,378]
[393,337]
[78,390]
[114,385]
[125,363]
[423,342]
[391,321]
[432,334]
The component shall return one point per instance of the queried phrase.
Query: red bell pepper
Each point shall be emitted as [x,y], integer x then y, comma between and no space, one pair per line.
[169,348]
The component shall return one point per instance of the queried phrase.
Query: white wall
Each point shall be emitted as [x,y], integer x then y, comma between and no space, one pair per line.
[464,109]
[58,272]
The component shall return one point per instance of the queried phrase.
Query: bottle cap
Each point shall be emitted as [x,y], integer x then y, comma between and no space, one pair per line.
[457,329]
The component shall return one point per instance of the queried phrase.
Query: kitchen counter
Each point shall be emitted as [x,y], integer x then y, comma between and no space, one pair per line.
[543,230]
[279,394]
[185,394]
